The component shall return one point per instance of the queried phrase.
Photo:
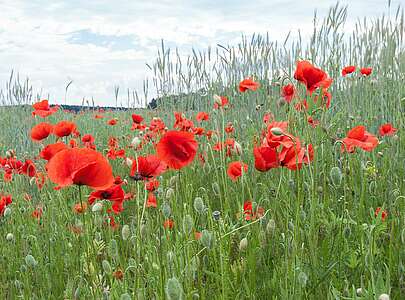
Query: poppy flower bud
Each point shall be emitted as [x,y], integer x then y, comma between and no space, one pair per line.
[237,148]
[302,278]
[30,261]
[188,224]
[380,154]
[106,267]
[77,293]
[174,290]
[173,180]
[216,189]
[271,226]
[359,292]
[10,237]
[384,297]
[199,205]
[217,99]
[169,193]
[9,153]
[125,296]
[114,248]
[336,176]
[97,207]
[170,257]
[7,212]
[125,232]
[243,244]
[277,131]
[129,162]
[207,239]
[17,284]
[166,210]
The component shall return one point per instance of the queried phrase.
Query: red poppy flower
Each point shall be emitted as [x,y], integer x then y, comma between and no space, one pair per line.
[177,149]
[137,119]
[311,76]
[114,193]
[98,117]
[151,201]
[366,71]
[168,224]
[384,214]
[387,129]
[288,92]
[235,170]
[43,109]
[248,84]
[88,138]
[112,122]
[202,116]
[266,158]
[4,201]
[64,128]
[294,156]
[359,137]
[312,122]
[229,128]
[41,131]
[251,214]
[146,167]
[28,168]
[152,185]
[81,167]
[348,70]
[50,150]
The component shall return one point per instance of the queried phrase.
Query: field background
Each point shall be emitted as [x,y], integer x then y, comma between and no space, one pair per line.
[319,239]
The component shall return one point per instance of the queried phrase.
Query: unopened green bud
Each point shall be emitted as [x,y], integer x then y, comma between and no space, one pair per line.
[174,290]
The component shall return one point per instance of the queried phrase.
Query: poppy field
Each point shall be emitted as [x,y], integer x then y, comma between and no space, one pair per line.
[267,171]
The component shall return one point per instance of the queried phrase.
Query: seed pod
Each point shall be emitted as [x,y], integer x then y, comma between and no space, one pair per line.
[125,296]
[30,261]
[270,227]
[243,244]
[125,232]
[7,212]
[336,176]
[207,239]
[302,278]
[216,189]
[216,215]
[166,210]
[199,205]
[136,141]
[174,290]
[170,193]
[188,224]
[106,267]
[10,237]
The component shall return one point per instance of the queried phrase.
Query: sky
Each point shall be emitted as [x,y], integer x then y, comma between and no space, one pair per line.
[102,44]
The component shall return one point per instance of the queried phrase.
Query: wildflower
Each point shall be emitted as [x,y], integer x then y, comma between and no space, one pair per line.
[64,128]
[147,167]
[348,70]
[80,208]
[220,102]
[311,76]
[168,224]
[81,167]
[248,84]
[50,150]
[288,92]
[41,131]
[114,193]
[235,170]
[384,214]
[43,109]
[387,129]
[266,158]
[202,116]
[366,71]
[177,149]
[358,137]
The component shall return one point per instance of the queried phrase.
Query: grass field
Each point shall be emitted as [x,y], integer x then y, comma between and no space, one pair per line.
[319,212]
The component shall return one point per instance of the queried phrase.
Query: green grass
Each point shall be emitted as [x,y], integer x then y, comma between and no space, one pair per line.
[318,239]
